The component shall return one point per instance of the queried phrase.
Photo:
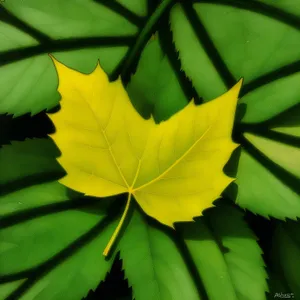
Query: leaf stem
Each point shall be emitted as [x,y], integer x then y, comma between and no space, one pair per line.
[145,34]
[118,229]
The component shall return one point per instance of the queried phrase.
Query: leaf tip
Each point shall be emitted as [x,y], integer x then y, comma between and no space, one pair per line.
[237,87]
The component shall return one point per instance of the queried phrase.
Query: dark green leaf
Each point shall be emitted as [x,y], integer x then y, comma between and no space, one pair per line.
[286,251]
[154,88]
[86,30]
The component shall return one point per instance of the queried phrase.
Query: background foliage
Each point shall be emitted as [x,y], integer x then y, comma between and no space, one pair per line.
[167,52]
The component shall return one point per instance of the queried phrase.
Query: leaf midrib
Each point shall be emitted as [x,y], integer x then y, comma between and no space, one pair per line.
[103,131]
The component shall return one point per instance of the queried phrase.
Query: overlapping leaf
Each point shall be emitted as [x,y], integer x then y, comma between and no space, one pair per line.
[44,227]
[235,259]
[268,168]
[223,252]
[78,32]
[153,264]
[154,88]
[258,41]
[251,40]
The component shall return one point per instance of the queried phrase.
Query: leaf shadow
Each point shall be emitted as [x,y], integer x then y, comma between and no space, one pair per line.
[25,126]
[230,169]
[30,180]
[240,113]
[272,76]
[66,44]
[9,18]
[190,230]
[287,118]
[207,43]
[40,177]
[168,46]
[107,287]
[279,172]
[86,204]
[290,117]
[122,11]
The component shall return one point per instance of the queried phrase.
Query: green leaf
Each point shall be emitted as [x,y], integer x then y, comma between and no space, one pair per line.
[50,238]
[78,33]
[286,6]
[268,170]
[254,40]
[262,42]
[7,288]
[286,156]
[271,99]
[28,158]
[289,122]
[31,171]
[250,40]
[67,253]
[195,59]
[154,87]
[261,191]
[285,253]
[136,6]
[33,29]
[153,264]
[235,262]
[257,41]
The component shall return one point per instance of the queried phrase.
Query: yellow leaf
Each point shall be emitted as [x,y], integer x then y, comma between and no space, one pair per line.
[174,169]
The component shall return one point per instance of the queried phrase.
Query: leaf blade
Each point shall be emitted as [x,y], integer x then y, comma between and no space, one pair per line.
[97,117]
[142,249]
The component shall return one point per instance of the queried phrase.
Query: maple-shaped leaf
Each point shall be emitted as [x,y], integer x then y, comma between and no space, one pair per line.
[173,169]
